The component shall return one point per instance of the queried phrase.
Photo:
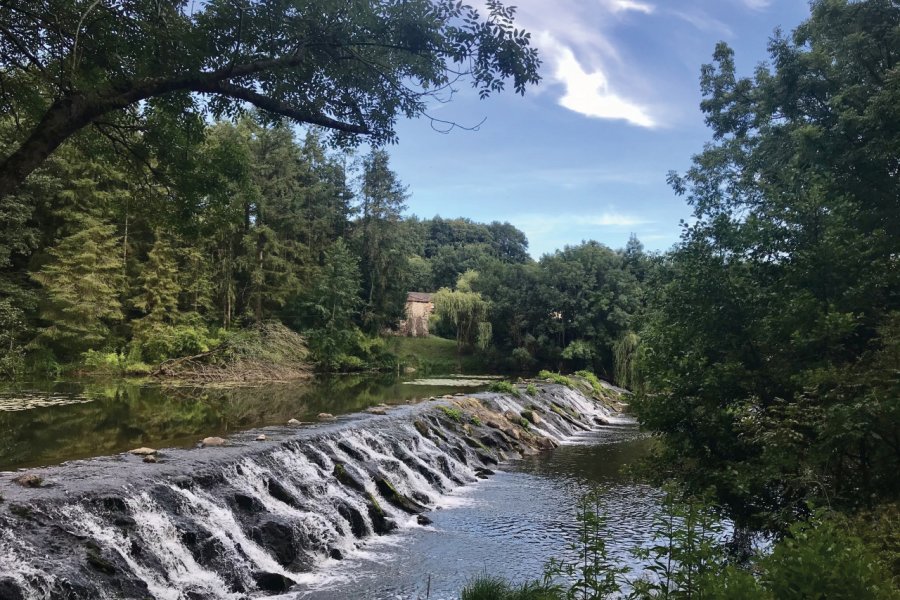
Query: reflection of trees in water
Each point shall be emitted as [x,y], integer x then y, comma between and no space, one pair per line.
[123,415]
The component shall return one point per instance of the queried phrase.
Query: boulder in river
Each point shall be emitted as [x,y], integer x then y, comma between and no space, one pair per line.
[212,441]
[272,582]
[294,422]
[29,480]
[261,437]
[151,458]
[142,451]
[326,417]
[377,410]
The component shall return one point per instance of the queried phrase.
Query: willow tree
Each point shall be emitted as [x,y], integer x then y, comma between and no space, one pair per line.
[352,67]
[466,310]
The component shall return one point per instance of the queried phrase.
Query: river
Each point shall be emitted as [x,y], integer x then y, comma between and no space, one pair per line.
[320,509]
[509,525]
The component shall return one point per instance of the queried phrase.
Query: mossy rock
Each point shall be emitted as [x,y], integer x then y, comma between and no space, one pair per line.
[401,501]
[421,427]
[345,478]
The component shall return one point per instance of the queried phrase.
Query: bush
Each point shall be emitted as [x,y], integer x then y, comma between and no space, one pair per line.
[531,389]
[161,342]
[505,387]
[488,587]
[556,378]
[592,379]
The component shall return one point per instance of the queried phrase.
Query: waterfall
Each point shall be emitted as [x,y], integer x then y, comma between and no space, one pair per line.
[254,519]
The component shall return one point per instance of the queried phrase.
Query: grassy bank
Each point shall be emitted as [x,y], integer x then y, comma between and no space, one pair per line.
[433,355]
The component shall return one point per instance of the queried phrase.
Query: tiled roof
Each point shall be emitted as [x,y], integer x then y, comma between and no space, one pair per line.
[419,297]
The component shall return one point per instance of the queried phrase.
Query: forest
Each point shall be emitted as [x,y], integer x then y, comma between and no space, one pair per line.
[763,348]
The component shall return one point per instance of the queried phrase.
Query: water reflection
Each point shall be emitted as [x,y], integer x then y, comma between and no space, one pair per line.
[48,423]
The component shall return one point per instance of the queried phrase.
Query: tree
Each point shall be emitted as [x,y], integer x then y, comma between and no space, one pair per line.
[83,284]
[772,322]
[383,249]
[466,310]
[350,68]
[333,305]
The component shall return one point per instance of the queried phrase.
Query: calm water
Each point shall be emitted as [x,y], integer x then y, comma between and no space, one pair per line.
[509,525]
[43,424]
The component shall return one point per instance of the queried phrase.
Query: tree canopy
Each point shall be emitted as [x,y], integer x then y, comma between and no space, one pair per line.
[159,68]
[774,322]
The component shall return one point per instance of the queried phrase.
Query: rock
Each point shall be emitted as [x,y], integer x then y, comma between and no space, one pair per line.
[376,410]
[96,560]
[151,458]
[279,492]
[336,554]
[355,518]
[421,427]
[531,416]
[212,441]
[248,503]
[601,421]
[261,437]
[448,396]
[326,417]
[401,501]
[29,480]
[380,523]
[9,590]
[143,451]
[423,520]
[459,394]
[272,582]
[294,422]
[482,473]
[278,539]
[511,416]
[342,475]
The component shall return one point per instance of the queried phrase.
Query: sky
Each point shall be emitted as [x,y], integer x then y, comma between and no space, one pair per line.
[584,155]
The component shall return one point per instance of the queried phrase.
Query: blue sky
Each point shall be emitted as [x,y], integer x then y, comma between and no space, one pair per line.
[585,154]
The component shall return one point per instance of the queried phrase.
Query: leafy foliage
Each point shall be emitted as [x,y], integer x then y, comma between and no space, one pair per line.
[767,353]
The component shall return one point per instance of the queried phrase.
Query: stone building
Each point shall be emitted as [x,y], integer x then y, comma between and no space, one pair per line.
[419,306]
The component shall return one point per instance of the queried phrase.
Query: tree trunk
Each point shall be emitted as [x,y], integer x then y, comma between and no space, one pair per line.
[64,117]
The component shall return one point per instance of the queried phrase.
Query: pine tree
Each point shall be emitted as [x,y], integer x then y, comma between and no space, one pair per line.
[159,283]
[83,283]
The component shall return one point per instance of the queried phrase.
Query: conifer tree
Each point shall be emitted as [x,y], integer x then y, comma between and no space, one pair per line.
[159,284]
[82,284]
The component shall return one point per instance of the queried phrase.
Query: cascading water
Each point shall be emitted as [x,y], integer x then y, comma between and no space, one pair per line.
[252,519]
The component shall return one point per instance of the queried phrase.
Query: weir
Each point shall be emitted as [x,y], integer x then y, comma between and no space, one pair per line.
[254,518]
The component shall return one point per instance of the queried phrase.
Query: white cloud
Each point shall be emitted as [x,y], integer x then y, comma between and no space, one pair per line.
[625,5]
[703,22]
[589,92]
[757,4]
[582,58]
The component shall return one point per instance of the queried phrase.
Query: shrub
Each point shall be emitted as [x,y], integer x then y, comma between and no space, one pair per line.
[489,587]
[531,389]
[505,387]
[556,378]
[453,413]
[592,379]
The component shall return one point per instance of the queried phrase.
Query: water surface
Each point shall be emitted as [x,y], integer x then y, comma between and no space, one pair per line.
[509,525]
[51,422]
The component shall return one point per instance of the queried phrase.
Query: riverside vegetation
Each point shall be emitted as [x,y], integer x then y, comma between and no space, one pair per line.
[763,348]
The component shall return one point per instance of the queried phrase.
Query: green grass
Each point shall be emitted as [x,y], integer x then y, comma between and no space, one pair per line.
[453,413]
[433,355]
[505,387]
[488,587]
[531,390]
[557,378]
[591,379]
